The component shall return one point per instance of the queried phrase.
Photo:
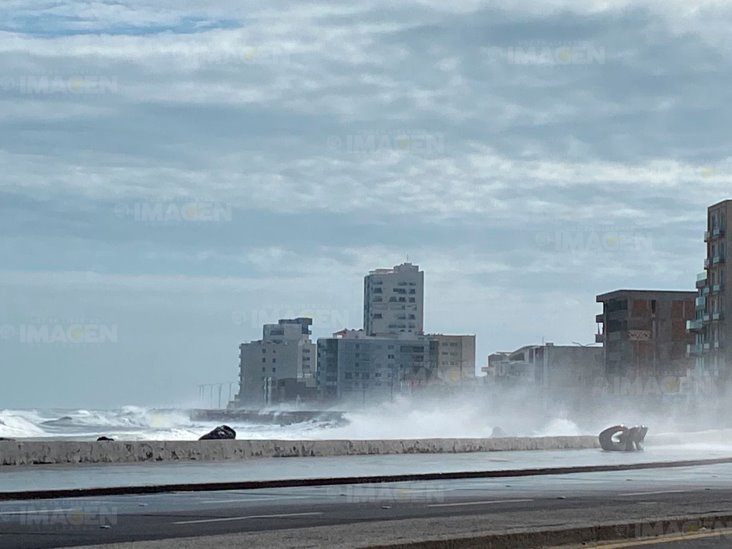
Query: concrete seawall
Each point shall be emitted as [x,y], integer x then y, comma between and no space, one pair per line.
[63,452]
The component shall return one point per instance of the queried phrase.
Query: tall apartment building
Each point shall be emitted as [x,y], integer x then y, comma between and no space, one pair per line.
[356,368]
[712,344]
[644,332]
[281,366]
[393,301]
[455,357]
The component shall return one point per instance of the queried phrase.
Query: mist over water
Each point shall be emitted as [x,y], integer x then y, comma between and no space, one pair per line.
[462,414]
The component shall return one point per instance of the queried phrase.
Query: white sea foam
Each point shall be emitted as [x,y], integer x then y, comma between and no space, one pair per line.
[401,418]
[398,419]
[20,423]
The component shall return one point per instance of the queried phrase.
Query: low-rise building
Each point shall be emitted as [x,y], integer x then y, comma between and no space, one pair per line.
[279,367]
[644,333]
[455,357]
[563,371]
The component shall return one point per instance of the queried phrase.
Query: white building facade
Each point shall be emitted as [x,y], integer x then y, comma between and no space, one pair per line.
[279,367]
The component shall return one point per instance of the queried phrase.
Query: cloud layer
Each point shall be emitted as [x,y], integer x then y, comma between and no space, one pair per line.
[185,172]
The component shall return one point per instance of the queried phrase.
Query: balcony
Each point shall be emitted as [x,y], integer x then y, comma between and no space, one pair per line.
[716,317]
[707,317]
[707,263]
[600,318]
[717,288]
[694,325]
[717,232]
[599,338]
[717,259]
[700,302]
[707,236]
[701,280]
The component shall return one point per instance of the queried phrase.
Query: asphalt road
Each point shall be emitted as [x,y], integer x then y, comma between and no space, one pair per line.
[484,504]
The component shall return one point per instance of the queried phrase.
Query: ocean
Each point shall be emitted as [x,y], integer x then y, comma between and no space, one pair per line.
[399,419]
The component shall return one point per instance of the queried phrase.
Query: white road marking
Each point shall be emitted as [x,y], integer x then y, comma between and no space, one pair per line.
[110,502]
[273,498]
[226,519]
[654,493]
[479,502]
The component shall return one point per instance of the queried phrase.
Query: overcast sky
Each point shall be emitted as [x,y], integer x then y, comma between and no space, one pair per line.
[174,174]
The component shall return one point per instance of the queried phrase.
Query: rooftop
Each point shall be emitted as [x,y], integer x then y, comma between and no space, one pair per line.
[646,293]
[404,267]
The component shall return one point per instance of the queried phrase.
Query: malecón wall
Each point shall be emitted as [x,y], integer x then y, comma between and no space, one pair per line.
[59,452]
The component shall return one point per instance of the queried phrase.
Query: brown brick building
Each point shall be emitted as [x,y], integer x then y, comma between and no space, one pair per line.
[644,333]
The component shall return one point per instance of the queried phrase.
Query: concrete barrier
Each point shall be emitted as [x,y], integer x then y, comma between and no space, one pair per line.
[60,452]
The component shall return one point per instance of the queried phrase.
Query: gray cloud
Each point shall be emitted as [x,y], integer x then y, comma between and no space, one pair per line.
[527,157]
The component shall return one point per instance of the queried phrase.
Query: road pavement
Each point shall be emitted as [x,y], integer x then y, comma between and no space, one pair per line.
[359,515]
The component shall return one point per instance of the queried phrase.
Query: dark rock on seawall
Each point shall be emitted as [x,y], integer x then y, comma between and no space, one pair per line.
[222,432]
